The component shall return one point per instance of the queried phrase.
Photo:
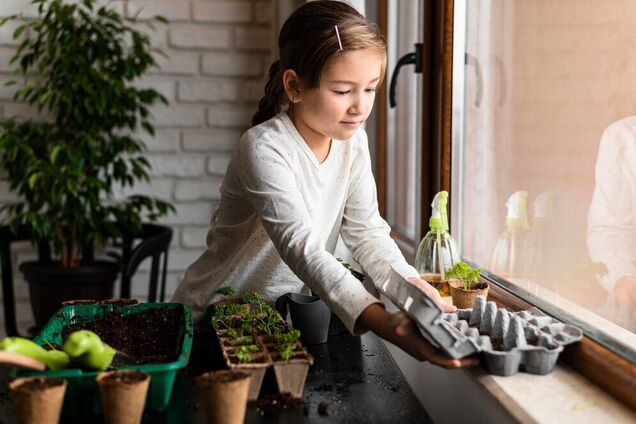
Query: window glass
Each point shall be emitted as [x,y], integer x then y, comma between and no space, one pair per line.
[544,152]
[405,21]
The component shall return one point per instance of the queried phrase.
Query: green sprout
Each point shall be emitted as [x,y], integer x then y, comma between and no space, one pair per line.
[226,291]
[244,340]
[266,322]
[244,353]
[285,343]
[468,276]
[253,298]
[225,315]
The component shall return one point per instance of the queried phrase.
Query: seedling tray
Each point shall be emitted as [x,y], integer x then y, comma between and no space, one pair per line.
[82,396]
[290,374]
[529,340]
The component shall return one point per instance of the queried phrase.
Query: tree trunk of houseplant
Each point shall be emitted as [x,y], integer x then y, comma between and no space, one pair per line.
[50,284]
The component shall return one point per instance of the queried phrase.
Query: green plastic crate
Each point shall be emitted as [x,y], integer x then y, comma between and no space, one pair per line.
[82,396]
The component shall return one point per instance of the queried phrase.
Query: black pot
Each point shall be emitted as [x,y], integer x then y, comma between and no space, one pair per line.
[51,284]
[309,314]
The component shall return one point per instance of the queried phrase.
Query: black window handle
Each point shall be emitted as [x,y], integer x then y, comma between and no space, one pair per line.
[471,60]
[410,58]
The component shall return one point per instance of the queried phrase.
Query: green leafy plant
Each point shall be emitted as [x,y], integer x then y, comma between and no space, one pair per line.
[244,353]
[285,343]
[226,291]
[468,276]
[79,64]
[232,332]
[263,322]
[253,316]
[253,298]
[225,316]
[245,340]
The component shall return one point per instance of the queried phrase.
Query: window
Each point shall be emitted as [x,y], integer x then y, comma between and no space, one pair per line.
[544,94]
[404,31]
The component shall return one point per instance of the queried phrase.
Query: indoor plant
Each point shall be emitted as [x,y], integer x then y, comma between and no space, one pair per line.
[465,285]
[78,63]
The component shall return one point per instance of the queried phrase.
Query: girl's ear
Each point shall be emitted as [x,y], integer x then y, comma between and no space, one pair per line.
[291,84]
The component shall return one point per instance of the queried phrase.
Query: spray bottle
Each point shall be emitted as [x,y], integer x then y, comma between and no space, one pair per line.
[540,248]
[509,259]
[437,252]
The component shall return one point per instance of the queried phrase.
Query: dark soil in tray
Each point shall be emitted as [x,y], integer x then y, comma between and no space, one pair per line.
[152,336]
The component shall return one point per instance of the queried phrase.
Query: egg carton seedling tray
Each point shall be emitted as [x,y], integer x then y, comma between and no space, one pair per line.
[510,341]
[82,396]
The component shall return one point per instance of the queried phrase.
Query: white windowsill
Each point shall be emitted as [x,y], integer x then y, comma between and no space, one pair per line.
[563,396]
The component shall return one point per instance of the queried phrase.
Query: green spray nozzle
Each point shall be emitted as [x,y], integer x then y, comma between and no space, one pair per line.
[517,217]
[53,359]
[439,216]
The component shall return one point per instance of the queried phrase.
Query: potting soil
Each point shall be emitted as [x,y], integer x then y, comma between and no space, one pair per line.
[151,336]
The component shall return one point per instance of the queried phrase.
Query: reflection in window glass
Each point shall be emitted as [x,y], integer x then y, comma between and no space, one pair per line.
[547,186]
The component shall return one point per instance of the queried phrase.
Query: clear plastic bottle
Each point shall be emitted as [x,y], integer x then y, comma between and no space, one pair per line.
[437,252]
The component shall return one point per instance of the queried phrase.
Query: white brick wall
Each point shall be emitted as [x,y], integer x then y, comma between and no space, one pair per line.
[218,52]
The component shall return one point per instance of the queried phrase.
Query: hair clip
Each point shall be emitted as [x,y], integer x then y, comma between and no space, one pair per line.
[338,36]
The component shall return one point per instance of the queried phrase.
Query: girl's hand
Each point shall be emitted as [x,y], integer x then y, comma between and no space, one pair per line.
[400,330]
[418,347]
[431,292]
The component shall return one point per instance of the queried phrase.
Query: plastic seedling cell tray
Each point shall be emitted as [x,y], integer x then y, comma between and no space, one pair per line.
[82,396]
[527,340]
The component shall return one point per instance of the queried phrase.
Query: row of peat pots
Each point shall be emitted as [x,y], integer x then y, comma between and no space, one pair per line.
[252,337]
[122,395]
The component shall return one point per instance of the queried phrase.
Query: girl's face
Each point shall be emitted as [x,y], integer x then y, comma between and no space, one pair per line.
[344,99]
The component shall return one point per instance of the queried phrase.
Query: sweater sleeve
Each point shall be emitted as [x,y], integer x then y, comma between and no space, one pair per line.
[363,230]
[269,181]
[611,217]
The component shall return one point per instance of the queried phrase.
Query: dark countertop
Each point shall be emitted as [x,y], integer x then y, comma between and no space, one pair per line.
[353,379]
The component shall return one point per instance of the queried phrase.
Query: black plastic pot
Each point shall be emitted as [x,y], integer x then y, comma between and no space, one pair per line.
[309,314]
[50,284]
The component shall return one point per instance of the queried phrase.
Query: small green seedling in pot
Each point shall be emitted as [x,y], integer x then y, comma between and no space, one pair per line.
[285,343]
[469,277]
[225,315]
[244,353]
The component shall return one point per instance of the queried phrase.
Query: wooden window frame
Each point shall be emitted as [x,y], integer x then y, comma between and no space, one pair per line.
[603,367]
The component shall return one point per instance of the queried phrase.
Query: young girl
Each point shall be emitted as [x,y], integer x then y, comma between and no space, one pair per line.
[301,176]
